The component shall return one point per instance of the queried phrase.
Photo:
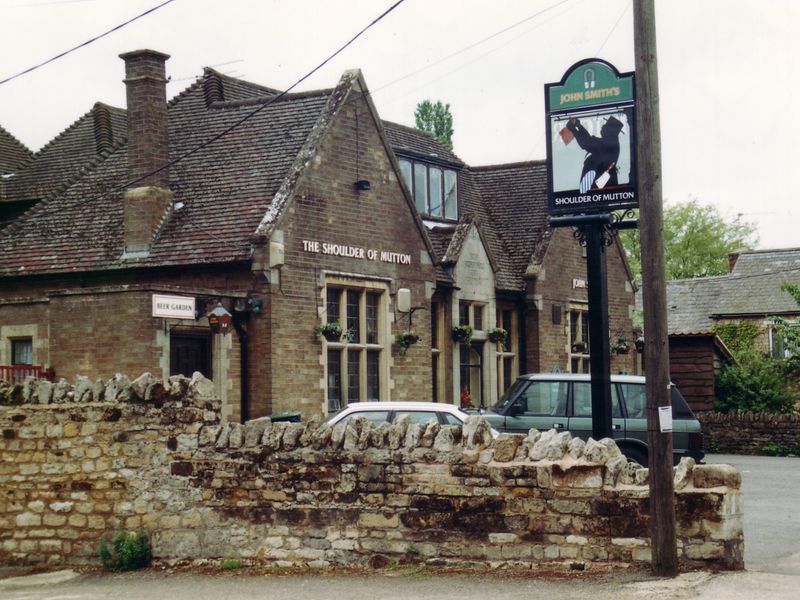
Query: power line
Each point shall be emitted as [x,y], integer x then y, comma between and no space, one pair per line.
[86,43]
[247,117]
[613,29]
[473,45]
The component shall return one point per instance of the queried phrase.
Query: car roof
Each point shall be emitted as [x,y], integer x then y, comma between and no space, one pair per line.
[428,406]
[579,377]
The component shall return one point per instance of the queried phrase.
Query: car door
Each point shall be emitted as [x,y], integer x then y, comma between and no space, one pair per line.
[542,405]
[580,420]
[633,395]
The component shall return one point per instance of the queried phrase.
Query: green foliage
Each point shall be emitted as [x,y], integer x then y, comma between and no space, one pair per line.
[127,551]
[463,334]
[755,383]
[697,241]
[773,448]
[788,332]
[405,339]
[739,336]
[232,563]
[436,119]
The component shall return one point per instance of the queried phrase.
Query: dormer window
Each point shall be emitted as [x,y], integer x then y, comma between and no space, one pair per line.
[435,189]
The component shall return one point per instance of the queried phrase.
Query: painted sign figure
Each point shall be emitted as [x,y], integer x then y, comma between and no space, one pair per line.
[599,167]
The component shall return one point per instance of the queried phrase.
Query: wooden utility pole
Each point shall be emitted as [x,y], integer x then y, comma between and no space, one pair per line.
[651,224]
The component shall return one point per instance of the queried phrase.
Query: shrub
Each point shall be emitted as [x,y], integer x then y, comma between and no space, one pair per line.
[232,563]
[755,384]
[127,551]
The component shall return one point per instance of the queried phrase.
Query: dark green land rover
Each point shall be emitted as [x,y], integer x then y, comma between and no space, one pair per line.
[563,401]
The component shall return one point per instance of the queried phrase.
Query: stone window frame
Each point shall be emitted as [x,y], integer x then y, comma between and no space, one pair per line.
[12,333]
[411,170]
[346,348]
[578,317]
[507,356]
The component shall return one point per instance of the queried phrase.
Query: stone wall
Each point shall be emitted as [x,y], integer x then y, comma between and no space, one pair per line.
[153,454]
[751,433]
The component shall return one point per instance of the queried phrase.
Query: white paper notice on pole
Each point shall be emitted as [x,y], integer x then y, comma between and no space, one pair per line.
[665,418]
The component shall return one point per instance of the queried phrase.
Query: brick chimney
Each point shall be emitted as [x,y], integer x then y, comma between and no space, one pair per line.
[148,202]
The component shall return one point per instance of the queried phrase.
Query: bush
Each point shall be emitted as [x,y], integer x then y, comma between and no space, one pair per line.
[232,563]
[128,551]
[756,384]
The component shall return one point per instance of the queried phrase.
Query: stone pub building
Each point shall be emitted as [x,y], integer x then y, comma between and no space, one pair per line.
[276,215]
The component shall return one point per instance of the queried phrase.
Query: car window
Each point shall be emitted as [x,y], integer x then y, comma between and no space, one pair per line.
[451,419]
[582,400]
[545,398]
[417,416]
[374,416]
[635,400]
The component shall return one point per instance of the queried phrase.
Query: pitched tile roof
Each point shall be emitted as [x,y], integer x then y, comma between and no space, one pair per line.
[515,195]
[691,302]
[226,188]
[415,142]
[751,289]
[755,283]
[13,154]
[64,156]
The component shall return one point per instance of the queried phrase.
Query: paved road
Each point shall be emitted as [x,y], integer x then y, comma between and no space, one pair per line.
[772,554]
[771,487]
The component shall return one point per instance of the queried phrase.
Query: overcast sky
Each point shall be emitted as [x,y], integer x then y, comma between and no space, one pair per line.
[728,74]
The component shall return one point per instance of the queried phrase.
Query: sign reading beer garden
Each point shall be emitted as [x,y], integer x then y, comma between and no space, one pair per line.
[591,140]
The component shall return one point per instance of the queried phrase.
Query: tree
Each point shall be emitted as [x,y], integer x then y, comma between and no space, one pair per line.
[697,241]
[436,119]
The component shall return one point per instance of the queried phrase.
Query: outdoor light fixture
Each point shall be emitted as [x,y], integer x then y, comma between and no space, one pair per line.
[362,185]
[219,319]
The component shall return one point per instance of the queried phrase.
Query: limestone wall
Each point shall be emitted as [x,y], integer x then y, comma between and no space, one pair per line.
[153,455]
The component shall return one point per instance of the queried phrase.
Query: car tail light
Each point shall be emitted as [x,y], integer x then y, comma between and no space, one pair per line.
[696,441]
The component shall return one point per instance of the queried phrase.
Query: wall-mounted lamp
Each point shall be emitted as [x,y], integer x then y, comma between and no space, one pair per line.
[362,185]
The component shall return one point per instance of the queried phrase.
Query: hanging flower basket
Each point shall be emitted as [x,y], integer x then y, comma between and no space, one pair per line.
[498,335]
[405,339]
[579,347]
[330,331]
[621,346]
[463,334]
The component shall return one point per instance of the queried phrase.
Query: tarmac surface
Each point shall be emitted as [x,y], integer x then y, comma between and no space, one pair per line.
[772,557]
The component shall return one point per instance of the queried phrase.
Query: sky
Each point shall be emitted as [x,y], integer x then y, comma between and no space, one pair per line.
[728,74]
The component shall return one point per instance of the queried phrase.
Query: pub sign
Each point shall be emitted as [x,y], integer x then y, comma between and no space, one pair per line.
[591,140]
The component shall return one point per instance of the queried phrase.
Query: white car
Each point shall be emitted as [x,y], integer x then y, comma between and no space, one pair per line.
[419,412]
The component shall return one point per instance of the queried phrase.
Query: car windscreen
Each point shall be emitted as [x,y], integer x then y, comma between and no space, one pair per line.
[510,394]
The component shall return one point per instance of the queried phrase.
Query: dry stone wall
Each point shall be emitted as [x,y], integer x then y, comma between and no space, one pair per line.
[153,455]
[751,433]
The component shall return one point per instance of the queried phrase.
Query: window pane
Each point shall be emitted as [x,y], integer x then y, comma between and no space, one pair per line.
[434,377]
[372,317]
[506,323]
[417,416]
[451,419]
[353,360]
[507,375]
[405,169]
[353,312]
[635,400]
[436,192]
[333,299]
[22,352]
[334,380]
[463,313]
[545,398]
[477,316]
[421,188]
[373,416]
[434,325]
[373,375]
[582,399]
[450,195]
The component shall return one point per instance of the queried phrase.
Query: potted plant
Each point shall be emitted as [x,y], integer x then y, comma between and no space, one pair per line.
[498,335]
[579,347]
[463,334]
[330,331]
[621,346]
[405,339]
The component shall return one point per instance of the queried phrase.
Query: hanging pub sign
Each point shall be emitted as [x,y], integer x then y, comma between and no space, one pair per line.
[591,140]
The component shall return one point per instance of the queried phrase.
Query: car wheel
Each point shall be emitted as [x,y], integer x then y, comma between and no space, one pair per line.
[636,455]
